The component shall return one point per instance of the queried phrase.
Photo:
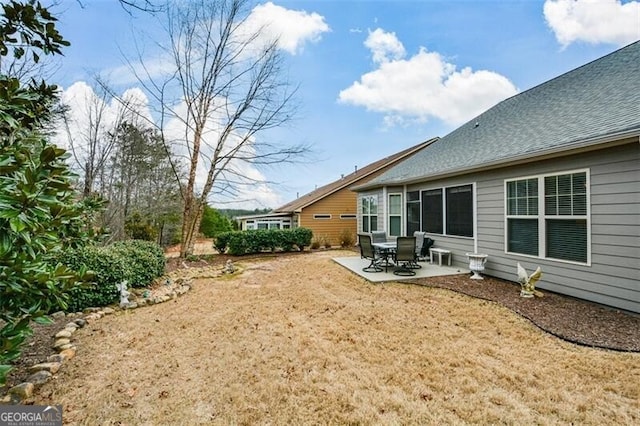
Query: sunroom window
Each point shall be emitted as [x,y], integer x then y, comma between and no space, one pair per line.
[369,214]
[395,215]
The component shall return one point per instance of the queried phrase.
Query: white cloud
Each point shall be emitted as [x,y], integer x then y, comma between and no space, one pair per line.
[423,86]
[384,46]
[292,28]
[593,21]
[85,104]
[151,68]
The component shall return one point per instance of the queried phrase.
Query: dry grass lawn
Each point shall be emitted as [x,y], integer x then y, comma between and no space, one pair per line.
[300,340]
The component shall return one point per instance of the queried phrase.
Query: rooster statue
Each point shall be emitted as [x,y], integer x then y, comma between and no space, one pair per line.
[528,282]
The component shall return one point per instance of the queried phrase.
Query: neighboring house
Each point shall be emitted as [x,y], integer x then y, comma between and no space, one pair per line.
[330,210]
[549,177]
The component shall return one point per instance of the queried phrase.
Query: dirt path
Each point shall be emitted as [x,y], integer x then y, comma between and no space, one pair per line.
[299,340]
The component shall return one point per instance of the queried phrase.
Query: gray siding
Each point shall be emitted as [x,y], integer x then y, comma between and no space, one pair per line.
[613,277]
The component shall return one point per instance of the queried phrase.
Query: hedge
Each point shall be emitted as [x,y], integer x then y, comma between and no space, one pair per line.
[137,262]
[260,240]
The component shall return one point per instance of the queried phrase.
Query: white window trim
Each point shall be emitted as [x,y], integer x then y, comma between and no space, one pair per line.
[542,226]
[368,215]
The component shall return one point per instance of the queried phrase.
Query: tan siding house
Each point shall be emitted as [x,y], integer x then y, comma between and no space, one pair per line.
[331,210]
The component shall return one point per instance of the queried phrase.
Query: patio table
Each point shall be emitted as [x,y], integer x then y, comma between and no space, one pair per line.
[386,250]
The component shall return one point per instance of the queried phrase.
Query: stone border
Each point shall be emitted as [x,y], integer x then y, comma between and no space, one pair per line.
[171,286]
[63,345]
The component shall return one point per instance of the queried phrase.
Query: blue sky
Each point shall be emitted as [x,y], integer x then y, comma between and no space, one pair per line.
[376,77]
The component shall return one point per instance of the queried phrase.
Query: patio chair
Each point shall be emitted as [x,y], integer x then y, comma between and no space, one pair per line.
[426,245]
[406,252]
[378,237]
[420,237]
[367,252]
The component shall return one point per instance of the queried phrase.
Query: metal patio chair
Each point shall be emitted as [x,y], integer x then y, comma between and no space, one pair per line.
[367,252]
[405,256]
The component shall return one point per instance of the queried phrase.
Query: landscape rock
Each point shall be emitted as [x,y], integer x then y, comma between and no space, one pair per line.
[21,391]
[64,347]
[39,377]
[69,352]
[51,367]
[81,322]
[63,333]
[58,315]
[109,311]
[73,325]
[61,342]
[57,358]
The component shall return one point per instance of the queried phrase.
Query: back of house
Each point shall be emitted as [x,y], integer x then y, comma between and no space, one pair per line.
[549,177]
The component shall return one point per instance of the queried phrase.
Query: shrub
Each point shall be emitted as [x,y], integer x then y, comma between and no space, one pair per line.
[347,238]
[145,260]
[109,269]
[221,241]
[137,262]
[260,240]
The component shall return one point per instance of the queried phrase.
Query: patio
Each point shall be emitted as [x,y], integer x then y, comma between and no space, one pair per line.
[356,263]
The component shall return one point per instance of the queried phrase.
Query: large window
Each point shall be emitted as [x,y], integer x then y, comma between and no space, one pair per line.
[369,214]
[413,212]
[448,211]
[432,210]
[547,216]
[395,215]
[460,211]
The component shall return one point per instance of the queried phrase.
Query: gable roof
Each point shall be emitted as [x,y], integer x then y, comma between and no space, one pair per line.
[595,103]
[348,180]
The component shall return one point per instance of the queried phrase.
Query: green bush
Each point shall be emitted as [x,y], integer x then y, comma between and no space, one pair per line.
[221,241]
[109,269]
[260,240]
[145,261]
[138,262]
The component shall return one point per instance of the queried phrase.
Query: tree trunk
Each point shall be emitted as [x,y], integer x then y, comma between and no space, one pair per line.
[192,216]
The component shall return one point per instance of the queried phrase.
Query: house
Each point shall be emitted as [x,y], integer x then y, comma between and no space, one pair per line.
[329,211]
[549,177]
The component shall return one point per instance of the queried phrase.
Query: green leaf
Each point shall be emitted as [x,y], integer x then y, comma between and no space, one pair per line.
[44,320]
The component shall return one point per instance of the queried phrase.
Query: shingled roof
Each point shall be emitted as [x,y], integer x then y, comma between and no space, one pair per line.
[595,103]
[348,180]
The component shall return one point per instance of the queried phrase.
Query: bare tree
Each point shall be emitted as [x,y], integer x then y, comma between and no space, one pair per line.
[231,87]
[91,138]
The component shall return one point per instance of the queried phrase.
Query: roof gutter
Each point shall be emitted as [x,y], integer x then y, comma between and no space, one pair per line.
[613,139]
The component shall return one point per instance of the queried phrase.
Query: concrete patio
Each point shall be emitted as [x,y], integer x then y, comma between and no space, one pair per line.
[356,263]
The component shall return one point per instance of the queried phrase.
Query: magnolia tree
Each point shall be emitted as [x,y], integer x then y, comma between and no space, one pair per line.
[40,214]
[224,86]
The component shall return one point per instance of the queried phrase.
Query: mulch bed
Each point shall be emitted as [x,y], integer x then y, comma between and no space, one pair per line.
[571,319]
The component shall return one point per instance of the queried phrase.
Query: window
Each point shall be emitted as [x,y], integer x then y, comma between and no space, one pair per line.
[348,216]
[395,215]
[413,212]
[460,211]
[448,211]
[547,216]
[432,211]
[322,216]
[369,214]
[522,213]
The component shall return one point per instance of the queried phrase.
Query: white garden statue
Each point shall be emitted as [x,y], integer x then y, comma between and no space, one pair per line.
[528,282]
[124,294]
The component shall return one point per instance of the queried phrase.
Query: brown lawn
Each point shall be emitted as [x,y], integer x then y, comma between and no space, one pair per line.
[300,340]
